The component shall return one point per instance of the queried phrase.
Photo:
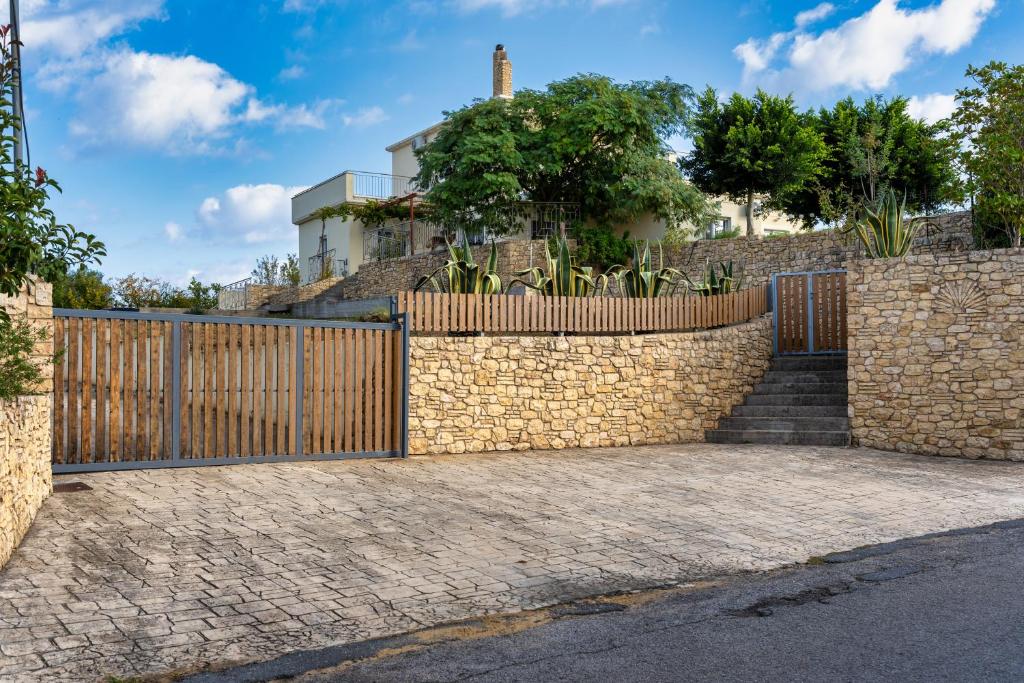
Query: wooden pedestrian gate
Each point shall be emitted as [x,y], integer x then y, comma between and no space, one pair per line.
[139,390]
[809,312]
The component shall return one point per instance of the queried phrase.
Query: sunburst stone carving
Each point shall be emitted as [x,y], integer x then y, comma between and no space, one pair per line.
[963,296]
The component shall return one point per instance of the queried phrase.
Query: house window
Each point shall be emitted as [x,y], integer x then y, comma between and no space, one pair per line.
[718,226]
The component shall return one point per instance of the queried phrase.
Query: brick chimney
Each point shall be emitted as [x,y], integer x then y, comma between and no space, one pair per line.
[502,71]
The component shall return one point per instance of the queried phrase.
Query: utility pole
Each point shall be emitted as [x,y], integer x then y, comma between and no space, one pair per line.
[16,91]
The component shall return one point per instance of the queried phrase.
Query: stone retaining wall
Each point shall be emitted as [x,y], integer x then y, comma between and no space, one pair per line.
[936,361]
[474,394]
[760,257]
[25,478]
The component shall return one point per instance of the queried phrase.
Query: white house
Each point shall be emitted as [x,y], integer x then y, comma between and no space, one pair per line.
[339,246]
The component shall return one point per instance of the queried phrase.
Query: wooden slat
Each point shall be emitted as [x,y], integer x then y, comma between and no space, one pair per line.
[245,399]
[359,380]
[87,398]
[59,389]
[155,421]
[315,373]
[74,389]
[338,392]
[350,390]
[378,384]
[102,415]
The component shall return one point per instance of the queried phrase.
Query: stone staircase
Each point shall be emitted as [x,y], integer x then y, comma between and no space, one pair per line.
[801,401]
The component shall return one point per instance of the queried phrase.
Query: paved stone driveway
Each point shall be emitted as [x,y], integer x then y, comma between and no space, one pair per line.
[162,569]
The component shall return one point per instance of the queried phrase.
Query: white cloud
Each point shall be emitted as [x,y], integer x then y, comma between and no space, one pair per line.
[368,116]
[815,14]
[931,108]
[511,8]
[864,52]
[69,27]
[256,213]
[406,99]
[173,231]
[180,104]
[292,72]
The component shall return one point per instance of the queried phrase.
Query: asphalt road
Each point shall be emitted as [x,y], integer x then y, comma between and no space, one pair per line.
[947,607]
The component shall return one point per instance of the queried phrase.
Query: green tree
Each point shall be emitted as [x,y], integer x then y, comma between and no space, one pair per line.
[83,288]
[752,147]
[267,270]
[988,126]
[290,273]
[585,139]
[873,147]
[32,242]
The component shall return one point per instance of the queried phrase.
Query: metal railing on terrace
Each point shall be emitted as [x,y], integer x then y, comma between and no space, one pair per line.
[381,185]
[325,265]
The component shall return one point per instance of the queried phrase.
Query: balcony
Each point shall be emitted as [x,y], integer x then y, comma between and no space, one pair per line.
[350,186]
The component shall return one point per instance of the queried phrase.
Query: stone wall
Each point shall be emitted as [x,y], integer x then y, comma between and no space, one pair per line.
[762,256]
[384,278]
[474,394]
[936,359]
[25,478]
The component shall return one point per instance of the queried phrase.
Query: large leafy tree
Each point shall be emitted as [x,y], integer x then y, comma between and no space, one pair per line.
[988,124]
[586,139]
[745,148]
[873,147]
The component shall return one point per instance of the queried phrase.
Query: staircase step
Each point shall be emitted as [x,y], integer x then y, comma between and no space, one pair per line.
[790,411]
[777,376]
[796,400]
[803,363]
[796,388]
[811,424]
[789,437]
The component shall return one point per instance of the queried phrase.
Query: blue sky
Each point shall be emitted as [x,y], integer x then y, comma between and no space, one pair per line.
[179,129]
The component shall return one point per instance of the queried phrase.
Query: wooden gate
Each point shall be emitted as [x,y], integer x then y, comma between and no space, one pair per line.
[809,311]
[137,390]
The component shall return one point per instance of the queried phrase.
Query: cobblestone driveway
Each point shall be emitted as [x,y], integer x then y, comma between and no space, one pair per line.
[162,569]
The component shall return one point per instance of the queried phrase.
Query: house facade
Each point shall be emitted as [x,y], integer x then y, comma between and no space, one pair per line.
[337,247]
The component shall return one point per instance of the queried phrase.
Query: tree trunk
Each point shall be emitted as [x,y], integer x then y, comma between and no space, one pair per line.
[750,214]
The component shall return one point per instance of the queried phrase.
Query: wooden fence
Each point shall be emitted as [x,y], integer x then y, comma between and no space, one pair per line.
[501,313]
[167,390]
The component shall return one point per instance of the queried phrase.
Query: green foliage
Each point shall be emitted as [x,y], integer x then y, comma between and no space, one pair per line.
[988,127]
[463,275]
[139,291]
[269,270]
[18,374]
[562,277]
[290,273]
[599,246]
[727,235]
[873,147]
[31,240]
[884,230]
[746,148]
[586,140]
[83,288]
[640,279]
[712,283]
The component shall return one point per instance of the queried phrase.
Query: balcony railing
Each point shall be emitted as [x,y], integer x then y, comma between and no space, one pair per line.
[323,266]
[381,185]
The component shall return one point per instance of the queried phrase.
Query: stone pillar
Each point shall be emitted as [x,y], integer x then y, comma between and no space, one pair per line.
[502,73]
[25,429]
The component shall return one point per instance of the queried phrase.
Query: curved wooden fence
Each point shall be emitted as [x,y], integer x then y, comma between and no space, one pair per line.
[431,312]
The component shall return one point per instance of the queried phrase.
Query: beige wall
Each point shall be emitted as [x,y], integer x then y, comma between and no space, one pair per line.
[470,394]
[936,360]
[650,227]
[25,475]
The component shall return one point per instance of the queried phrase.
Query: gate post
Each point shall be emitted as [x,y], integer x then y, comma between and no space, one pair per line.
[405,385]
[773,299]
[810,312]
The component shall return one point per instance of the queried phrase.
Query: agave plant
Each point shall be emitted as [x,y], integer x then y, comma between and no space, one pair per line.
[465,276]
[884,230]
[562,276]
[712,283]
[641,280]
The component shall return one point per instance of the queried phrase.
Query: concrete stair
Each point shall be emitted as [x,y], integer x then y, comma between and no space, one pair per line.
[801,401]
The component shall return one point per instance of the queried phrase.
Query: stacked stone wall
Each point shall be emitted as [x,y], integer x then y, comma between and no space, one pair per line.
[936,361]
[474,394]
[25,477]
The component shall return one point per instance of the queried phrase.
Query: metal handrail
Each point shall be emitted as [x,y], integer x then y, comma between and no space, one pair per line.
[381,185]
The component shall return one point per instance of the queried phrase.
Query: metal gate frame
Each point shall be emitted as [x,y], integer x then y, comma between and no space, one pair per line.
[809,276]
[399,324]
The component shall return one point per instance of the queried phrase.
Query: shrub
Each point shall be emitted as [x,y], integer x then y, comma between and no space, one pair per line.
[18,374]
